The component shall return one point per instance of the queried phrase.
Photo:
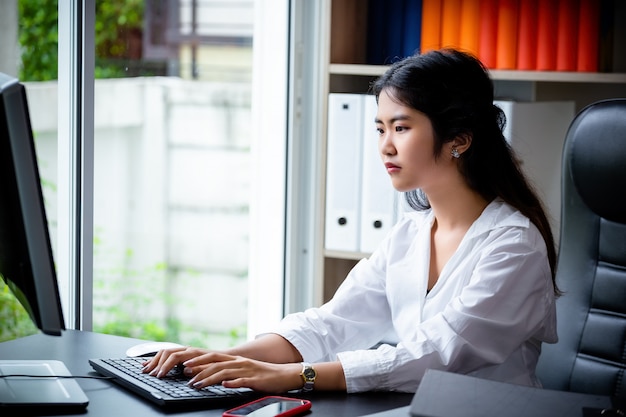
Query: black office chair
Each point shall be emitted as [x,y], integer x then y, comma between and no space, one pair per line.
[590,355]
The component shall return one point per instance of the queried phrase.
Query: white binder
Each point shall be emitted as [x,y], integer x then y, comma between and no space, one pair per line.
[343,171]
[536,132]
[378,197]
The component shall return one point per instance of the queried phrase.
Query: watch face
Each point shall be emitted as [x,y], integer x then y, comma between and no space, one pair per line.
[309,373]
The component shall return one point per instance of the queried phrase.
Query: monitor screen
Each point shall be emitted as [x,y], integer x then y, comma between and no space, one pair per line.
[26,262]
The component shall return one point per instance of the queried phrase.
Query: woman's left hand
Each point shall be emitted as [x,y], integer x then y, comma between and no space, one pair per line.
[237,371]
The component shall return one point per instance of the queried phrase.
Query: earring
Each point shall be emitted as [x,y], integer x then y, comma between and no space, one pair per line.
[455,153]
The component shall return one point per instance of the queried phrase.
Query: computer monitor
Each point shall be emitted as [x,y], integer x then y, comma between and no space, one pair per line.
[26,261]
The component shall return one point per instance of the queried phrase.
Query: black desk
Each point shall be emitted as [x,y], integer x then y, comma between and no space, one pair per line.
[74,348]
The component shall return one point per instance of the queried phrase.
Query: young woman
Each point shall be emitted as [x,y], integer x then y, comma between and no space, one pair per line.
[466,280]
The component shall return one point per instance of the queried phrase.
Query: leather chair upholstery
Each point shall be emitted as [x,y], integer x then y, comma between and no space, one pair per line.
[590,355]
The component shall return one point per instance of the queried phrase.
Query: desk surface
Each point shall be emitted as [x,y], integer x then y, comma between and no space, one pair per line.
[75,348]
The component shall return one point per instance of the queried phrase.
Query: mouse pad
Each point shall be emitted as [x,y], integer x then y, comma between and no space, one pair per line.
[21,388]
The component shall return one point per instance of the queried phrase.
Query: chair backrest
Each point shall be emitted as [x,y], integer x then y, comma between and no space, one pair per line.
[590,355]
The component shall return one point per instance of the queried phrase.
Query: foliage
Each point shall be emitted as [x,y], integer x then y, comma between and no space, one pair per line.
[15,320]
[38,37]
[118,25]
[137,303]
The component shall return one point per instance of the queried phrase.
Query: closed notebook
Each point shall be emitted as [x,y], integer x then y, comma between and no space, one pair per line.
[446,394]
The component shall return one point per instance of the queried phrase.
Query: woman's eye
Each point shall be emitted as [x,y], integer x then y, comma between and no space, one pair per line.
[400,128]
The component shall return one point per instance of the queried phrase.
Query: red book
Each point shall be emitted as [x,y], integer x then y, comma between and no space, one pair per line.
[547,18]
[431,25]
[588,36]
[527,36]
[567,35]
[470,26]
[488,32]
[506,54]
[450,23]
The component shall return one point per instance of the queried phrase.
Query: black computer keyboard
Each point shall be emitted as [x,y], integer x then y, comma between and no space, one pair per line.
[174,383]
[172,388]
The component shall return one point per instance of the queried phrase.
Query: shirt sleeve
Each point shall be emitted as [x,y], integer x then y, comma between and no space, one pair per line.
[357,317]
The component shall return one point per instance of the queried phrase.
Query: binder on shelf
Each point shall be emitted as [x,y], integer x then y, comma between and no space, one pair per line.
[470,26]
[378,197]
[450,23]
[527,36]
[487,41]
[431,25]
[567,35]
[536,132]
[343,171]
[506,46]
[376,35]
[588,36]
[619,37]
[394,29]
[547,16]
[412,27]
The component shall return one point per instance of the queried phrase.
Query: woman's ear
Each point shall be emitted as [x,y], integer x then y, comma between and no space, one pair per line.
[462,143]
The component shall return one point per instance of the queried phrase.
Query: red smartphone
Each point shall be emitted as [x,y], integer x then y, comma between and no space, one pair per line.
[271,406]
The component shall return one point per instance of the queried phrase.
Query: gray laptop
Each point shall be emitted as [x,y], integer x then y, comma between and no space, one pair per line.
[33,386]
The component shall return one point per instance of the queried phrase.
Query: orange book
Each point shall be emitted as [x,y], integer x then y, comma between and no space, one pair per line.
[450,23]
[470,26]
[588,36]
[431,25]
[488,32]
[527,36]
[567,35]
[506,45]
[547,17]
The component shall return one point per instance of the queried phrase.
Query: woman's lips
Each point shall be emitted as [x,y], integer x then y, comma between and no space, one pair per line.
[391,168]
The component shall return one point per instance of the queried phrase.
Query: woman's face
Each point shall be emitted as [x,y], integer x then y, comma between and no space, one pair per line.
[406,145]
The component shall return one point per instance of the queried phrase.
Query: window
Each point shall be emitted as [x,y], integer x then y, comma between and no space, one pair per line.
[172,170]
[165,173]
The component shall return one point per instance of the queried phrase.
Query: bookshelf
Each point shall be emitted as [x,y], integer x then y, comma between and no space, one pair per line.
[345,71]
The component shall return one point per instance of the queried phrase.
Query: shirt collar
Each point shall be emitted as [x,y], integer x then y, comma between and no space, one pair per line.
[496,215]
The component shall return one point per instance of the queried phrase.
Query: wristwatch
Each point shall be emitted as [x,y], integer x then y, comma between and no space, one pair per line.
[308,375]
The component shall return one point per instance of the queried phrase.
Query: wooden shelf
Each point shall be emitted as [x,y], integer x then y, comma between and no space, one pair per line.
[355,256]
[539,76]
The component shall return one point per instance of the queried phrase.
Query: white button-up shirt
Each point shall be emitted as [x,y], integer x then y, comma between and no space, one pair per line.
[487,315]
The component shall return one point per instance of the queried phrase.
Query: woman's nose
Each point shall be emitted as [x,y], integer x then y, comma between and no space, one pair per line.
[386,145]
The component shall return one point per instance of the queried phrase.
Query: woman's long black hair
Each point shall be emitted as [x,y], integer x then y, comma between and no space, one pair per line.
[454,90]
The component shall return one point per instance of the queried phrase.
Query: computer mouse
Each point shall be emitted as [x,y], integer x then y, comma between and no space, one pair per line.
[149,348]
